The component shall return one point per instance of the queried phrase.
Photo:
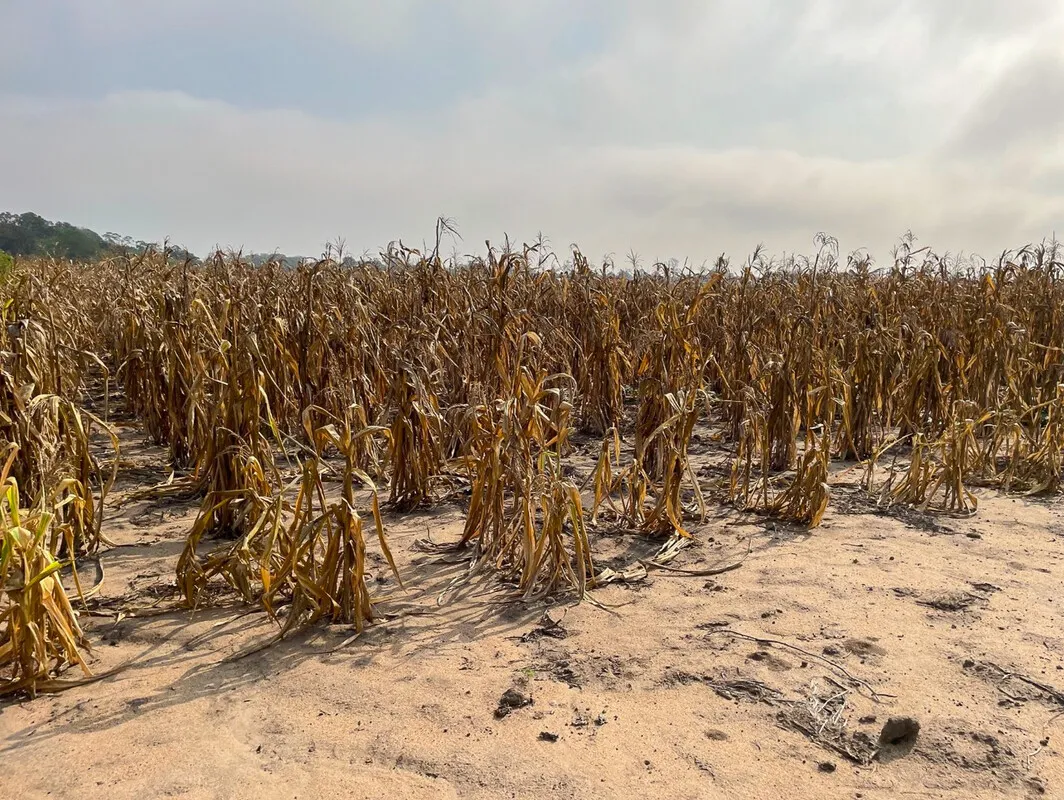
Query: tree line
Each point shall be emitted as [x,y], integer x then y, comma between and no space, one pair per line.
[28,234]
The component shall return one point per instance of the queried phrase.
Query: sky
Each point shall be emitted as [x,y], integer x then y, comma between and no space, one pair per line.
[667,128]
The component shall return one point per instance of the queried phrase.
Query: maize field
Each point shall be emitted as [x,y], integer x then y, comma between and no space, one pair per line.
[295,404]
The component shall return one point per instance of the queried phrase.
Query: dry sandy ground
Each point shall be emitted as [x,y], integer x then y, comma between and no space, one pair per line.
[656,693]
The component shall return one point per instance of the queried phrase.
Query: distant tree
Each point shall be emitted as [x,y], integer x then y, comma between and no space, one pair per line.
[120,242]
[17,233]
[76,243]
[29,234]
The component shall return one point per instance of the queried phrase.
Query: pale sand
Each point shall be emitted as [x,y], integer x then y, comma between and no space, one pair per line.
[407,710]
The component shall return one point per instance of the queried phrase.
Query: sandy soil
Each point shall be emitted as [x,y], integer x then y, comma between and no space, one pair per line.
[660,691]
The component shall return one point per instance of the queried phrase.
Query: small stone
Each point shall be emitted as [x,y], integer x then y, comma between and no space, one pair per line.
[826,766]
[511,700]
[547,736]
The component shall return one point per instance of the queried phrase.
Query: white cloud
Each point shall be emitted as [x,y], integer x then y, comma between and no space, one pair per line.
[697,127]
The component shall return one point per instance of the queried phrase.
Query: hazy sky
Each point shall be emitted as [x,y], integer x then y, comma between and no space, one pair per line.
[676,128]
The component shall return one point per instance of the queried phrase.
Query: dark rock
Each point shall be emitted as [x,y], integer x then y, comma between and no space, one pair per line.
[510,701]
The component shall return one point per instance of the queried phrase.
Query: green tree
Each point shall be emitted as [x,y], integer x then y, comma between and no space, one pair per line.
[7,263]
[29,234]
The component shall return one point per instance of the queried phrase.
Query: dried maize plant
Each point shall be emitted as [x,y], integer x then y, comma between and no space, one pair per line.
[191,365]
[317,563]
[237,465]
[309,351]
[465,429]
[32,353]
[864,396]
[48,335]
[868,474]
[806,498]
[137,346]
[415,452]
[337,348]
[748,484]
[1002,343]
[560,556]
[310,556]
[165,338]
[784,409]
[1039,466]
[336,352]
[1004,447]
[54,464]
[454,356]
[651,415]
[672,363]
[505,331]
[674,437]
[39,631]
[920,402]
[960,456]
[927,477]
[239,562]
[785,363]
[524,520]
[737,362]
[916,484]
[236,470]
[604,478]
[43,340]
[75,485]
[165,371]
[369,453]
[603,360]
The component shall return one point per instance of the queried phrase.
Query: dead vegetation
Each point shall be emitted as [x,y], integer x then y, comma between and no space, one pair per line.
[284,397]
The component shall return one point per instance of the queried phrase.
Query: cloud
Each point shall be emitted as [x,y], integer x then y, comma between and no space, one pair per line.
[1024,107]
[677,129]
